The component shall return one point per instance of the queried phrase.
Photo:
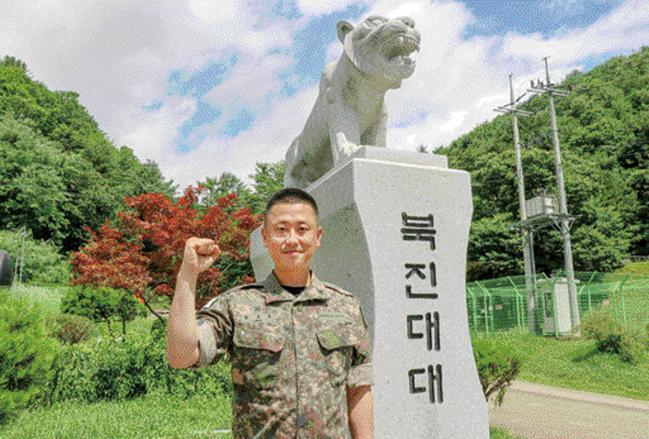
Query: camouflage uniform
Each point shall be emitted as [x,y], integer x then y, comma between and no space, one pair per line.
[292,357]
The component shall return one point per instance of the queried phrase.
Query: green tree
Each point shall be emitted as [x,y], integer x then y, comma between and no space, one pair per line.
[58,170]
[227,183]
[26,354]
[604,143]
[267,179]
[102,304]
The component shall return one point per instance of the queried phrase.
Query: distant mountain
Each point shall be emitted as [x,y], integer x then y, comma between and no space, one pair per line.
[604,136]
[58,170]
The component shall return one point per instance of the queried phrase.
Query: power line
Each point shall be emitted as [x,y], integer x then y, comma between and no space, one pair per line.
[526,237]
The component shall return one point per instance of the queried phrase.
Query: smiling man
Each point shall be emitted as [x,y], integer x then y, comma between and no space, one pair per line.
[299,347]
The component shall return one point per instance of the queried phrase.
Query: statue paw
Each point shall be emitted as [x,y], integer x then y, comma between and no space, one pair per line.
[344,146]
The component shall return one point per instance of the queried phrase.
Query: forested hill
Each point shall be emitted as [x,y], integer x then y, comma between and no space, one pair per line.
[604,135]
[58,170]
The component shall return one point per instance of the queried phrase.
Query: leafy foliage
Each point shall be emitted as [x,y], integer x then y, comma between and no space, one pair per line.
[102,304]
[267,179]
[111,370]
[636,268]
[605,152]
[70,328]
[143,252]
[611,337]
[43,265]
[26,354]
[497,367]
[58,171]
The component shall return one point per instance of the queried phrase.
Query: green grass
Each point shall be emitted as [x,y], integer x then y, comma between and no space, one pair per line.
[499,433]
[576,364]
[153,416]
[48,297]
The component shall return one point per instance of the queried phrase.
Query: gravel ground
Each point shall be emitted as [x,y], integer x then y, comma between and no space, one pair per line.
[535,411]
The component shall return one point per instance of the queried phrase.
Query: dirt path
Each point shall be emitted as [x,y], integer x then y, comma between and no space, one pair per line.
[542,412]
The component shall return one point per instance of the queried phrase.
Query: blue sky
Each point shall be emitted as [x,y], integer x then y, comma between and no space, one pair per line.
[547,17]
[204,87]
[310,43]
[308,50]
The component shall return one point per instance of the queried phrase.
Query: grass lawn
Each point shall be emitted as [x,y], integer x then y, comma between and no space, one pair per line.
[576,364]
[153,416]
[48,297]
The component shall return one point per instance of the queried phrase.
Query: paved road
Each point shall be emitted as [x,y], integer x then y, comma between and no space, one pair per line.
[542,412]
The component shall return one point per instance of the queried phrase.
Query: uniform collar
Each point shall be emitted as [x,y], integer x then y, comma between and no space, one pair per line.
[314,290]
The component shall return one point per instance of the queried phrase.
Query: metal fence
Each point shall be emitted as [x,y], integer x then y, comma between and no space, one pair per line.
[501,304]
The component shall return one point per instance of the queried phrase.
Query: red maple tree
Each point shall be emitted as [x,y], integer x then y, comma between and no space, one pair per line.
[143,252]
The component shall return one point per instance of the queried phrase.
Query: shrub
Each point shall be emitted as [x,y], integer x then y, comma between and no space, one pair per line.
[611,337]
[497,367]
[636,268]
[43,263]
[70,328]
[107,369]
[102,304]
[26,354]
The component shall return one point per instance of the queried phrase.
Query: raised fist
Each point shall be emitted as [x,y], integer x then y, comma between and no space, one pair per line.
[199,255]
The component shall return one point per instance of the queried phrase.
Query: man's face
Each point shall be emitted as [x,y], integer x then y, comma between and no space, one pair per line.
[292,235]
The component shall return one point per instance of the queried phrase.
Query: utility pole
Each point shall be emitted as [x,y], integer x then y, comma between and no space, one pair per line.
[526,233]
[564,218]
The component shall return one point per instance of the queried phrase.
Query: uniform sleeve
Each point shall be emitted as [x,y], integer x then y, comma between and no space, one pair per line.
[360,373]
[214,330]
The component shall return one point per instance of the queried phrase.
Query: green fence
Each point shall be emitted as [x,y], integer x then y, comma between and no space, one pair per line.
[501,304]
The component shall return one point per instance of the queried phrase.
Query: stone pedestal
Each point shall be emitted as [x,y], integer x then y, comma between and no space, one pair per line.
[396,227]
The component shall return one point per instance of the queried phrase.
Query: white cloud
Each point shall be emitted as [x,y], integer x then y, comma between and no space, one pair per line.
[267,141]
[624,29]
[320,7]
[249,84]
[118,55]
[468,77]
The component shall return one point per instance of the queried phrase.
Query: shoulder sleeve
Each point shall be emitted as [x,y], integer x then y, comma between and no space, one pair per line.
[360,373]
[214,330]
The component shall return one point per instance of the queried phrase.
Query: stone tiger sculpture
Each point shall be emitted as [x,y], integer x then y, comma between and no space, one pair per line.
[349,110]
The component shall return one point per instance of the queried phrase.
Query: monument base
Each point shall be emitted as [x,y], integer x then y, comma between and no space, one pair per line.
[396,229]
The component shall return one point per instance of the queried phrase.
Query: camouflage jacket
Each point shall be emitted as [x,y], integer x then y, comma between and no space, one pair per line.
[292,357]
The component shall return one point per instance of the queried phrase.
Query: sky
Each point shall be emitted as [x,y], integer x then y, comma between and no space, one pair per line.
[203,87]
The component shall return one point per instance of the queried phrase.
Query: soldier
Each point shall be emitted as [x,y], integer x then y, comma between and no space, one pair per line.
[299,347]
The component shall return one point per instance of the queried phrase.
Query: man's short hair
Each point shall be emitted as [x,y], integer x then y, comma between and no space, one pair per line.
[291,195]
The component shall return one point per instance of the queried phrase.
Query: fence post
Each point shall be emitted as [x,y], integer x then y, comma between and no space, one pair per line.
[555,317]
[474,316]
[623,307]
[519,317]
[590,303]
[544,310]
[487,302]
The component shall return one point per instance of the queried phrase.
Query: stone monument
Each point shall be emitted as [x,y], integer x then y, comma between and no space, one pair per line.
[349,110]
[396,227]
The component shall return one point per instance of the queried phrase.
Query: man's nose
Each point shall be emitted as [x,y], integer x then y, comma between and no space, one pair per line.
[292,236]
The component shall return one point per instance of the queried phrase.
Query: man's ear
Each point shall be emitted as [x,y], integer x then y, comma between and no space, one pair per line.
[319,234]
[343,28]
[263,235]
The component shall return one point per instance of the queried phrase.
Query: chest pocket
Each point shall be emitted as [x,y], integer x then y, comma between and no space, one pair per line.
[255,359]
[337,339]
